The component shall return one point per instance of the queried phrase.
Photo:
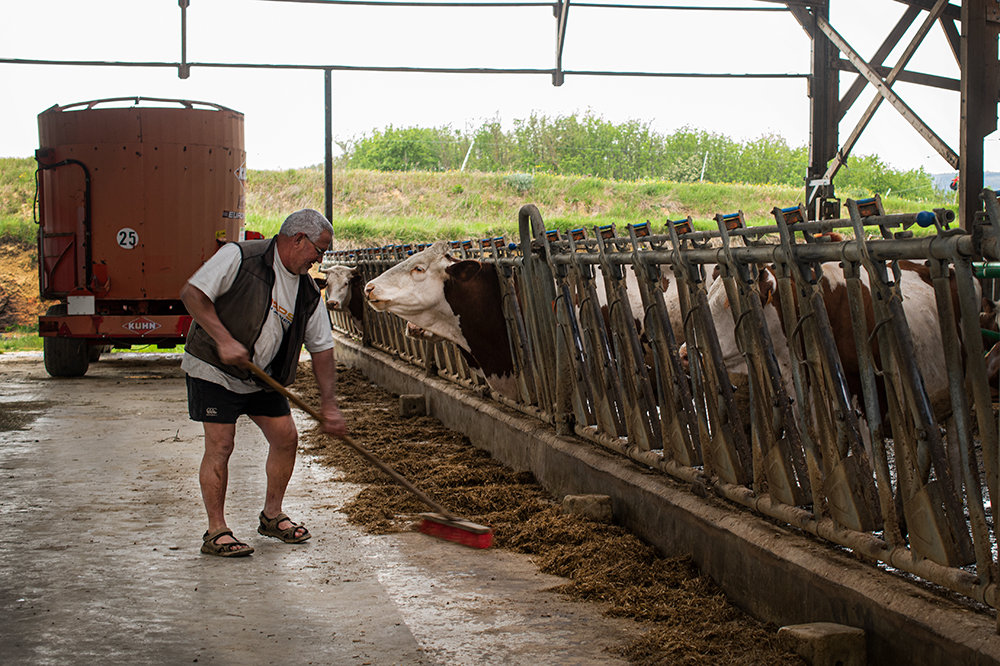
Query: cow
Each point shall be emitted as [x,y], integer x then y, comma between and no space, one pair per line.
[451,300]
[670,298]
[344,291]
[989,322]
[919,305]
[442,297]
[457,300]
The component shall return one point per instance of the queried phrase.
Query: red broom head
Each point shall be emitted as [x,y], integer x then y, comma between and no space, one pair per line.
[459,531]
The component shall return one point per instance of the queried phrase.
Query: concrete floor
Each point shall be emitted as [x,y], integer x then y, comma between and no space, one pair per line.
[100,528]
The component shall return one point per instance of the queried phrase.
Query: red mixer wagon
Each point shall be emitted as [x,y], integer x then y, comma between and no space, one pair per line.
[133,195]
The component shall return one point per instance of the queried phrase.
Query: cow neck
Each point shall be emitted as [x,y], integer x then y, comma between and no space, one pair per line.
[478,305]
[356,302]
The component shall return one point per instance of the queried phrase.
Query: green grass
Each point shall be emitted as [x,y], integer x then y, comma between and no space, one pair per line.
[372,208]
[26,338]
[17,192]
[20,338]
[152,349]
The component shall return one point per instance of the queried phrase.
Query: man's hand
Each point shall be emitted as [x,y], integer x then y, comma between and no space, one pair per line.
[232,352]
[202,309]
[333,421]
[325,370]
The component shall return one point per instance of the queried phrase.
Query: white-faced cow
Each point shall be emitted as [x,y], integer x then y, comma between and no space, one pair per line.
[344,291]
[668,283]
[919,306]
[442,297]
[458,300]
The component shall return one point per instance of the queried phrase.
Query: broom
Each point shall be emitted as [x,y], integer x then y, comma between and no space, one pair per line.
[442,524]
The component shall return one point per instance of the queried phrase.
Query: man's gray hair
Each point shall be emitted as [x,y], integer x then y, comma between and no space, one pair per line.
[308,221]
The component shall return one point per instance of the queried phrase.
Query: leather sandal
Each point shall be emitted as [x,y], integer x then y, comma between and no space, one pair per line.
[211,546]
[269,527]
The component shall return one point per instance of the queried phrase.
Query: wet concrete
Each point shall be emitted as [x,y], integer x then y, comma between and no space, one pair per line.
[100,529]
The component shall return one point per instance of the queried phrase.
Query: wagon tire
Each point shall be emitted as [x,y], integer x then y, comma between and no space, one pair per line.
[65,357]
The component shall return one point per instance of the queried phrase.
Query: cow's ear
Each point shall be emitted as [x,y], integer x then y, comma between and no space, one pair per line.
[767,287]
[464,270]
[320,282]
[766,293]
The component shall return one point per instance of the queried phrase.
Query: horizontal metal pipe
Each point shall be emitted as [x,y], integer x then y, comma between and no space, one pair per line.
[916,249]
[403,69]
[880,250]
[986,269]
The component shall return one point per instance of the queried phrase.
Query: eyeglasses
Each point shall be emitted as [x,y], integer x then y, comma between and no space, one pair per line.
[319,251]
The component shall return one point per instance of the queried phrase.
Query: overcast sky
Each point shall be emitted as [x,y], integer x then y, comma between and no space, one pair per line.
[284,109]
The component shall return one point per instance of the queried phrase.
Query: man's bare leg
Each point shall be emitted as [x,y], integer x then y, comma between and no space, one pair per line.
[220,440]
[283,441]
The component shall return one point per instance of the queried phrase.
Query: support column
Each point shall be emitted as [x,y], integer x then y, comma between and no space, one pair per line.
[979,91]
[328,108]
[183,69]
[824,90]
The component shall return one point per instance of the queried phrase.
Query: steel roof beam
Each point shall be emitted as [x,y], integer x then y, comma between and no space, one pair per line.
[906,76]
[950,11]
[978,55]
[954,39]
[869,113]
[904,23]
[424,70]
[885,91]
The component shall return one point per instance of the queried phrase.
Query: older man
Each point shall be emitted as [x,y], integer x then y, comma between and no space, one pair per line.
[254,301]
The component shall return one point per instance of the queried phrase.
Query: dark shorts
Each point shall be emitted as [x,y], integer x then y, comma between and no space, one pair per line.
[216,404]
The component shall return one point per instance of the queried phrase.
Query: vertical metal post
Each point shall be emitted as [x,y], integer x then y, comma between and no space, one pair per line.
[824,88]
[978,103]
[183,70]
[561,11]
[328,141]
[539,293]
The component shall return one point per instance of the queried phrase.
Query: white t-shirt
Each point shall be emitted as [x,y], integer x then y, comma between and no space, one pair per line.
[216,277]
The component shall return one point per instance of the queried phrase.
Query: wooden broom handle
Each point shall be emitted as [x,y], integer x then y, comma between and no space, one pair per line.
[399,478]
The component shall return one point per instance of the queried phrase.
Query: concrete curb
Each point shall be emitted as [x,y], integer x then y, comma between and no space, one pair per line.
[775,574]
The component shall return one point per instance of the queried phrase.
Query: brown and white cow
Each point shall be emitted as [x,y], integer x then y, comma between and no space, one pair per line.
[344,291]
[919,305]
[457,300]
[670,298]
[442,297]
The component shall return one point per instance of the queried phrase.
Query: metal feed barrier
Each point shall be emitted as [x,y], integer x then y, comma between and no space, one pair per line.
[917,502]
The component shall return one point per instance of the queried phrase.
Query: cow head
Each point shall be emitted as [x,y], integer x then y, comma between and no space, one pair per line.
[338,286]
[414,290]
[725,323]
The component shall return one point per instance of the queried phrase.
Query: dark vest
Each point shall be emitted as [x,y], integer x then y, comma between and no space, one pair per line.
[244,309]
